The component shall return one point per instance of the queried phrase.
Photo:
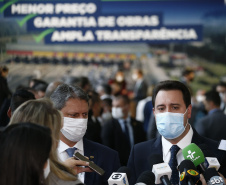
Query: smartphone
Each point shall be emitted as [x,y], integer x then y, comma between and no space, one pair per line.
[92,165]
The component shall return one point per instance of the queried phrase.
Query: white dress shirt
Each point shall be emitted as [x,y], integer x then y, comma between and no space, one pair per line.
[166,145]
[62,147]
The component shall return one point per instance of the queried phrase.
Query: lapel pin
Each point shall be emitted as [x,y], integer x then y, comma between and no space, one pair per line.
[91,157]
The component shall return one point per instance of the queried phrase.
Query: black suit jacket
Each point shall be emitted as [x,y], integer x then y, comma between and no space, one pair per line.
[212,126]
[139,160]
[113,136]
[140,92]
[104,157]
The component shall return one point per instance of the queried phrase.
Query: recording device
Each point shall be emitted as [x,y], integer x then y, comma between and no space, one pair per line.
[162,170]
[194,153]
[146,178]
[212,177]
[188,173]
[120,177]
[92,165]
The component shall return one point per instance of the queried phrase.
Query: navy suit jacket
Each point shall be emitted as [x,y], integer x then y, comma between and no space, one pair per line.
[212,126]
[139,160]
[104,157]
[113,137]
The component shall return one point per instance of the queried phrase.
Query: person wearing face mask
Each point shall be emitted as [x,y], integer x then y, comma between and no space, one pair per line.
[122,131]
[25,149]
[73,102]
[172,108]
[221,89]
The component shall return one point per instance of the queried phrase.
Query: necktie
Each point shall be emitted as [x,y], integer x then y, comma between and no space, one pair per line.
[71,151]
[173,165]
[127,131]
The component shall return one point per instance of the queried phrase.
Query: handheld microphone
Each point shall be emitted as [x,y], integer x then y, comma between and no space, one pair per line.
[194,153]
[162,170]
[120,177]
[188,173]
[146,178]
[212,177]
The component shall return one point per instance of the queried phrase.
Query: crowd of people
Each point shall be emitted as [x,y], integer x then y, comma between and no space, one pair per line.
[44,124]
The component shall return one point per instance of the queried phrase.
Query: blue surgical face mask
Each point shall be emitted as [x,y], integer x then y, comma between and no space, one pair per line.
[170,125]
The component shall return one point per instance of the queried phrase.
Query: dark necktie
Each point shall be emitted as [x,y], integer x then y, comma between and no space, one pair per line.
[127,131]
[173,165]
[71,151]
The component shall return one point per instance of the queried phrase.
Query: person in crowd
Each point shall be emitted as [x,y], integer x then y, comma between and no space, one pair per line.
[198,108]
[221,89]
[73,102]
[5,92]
[172,109]
[40,89]
[120,82]
[93,131]
[144,109]
[213,125]
[104,90]
[85,84]
[188,75]
[140,88]
[51,87]
[19,97]
[42,112]
[123,131]
[25,149]
[107,108]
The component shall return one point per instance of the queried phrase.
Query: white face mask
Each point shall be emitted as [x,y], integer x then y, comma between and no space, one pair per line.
[117,112]
[134,76]
[106,115]
[74,129]
[119,78]
[47,169]
[200,98]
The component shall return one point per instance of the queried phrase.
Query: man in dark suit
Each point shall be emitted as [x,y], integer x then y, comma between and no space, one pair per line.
[172,109]
[122,131]
[140,88]
[212,125]
[73,102]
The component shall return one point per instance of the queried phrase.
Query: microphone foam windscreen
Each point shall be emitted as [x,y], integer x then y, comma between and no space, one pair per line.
[186,164]
[147,177]
[155,159]
[210,172]
[124,169]
[193,153]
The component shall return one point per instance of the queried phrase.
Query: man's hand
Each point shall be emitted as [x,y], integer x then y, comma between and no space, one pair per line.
[77,166]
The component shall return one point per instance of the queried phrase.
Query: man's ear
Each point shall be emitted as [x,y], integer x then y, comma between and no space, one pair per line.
[9,112]
[189,109]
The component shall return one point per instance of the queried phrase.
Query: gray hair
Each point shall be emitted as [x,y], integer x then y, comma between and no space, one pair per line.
[64,92]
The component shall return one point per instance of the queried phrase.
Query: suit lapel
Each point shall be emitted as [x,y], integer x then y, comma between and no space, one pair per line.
[90,152]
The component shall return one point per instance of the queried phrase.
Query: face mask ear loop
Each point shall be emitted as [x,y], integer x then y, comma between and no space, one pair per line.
[187,119]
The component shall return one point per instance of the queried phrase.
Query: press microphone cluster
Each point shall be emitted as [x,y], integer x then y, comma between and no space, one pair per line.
[146,178]
[207,166]
[120,177]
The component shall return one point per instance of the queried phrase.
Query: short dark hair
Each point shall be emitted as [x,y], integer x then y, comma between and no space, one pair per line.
[26,147]
[19,97]
[64,92]
[125,98]
[214,97]
[187,72]
[172,85]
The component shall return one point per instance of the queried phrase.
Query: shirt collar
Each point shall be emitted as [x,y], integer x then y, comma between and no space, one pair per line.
[127,120]
[213,110]
[63,146]
[185,141]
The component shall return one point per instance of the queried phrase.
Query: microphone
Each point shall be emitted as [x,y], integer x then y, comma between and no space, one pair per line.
[212,177]
[194,153]
[188,173]
[146,178]
[120,177]
[162,170]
